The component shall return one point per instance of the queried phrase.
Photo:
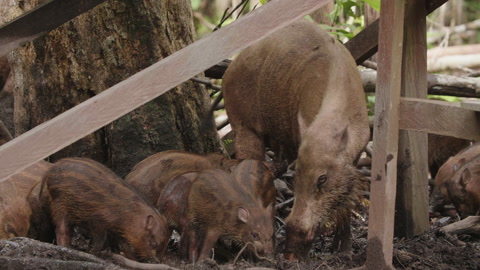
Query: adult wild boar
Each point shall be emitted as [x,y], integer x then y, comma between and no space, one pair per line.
[299,91]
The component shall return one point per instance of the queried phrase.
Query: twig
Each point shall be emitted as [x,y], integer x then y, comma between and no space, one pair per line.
[254,252]
[203,20]
[225,17]
[207,83]
[370,64]
[283,204]
[323,264]
[4,132]
[138,265]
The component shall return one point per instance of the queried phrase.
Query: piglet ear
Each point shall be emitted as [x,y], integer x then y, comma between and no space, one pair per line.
[149,222]
[243,214]
[466,176]
[270,208]
[458,165]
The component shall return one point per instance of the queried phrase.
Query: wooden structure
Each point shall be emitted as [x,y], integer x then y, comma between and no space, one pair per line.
[400,37]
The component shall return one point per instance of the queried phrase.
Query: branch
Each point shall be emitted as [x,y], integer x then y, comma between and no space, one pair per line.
[469,225]
[140,266]
[437,84]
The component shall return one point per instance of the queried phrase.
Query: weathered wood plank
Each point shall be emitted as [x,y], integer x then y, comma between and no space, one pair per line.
[439,117]
[473,105]
[41,20]
[385,136]
[365,44]
[411,215]
[146,85]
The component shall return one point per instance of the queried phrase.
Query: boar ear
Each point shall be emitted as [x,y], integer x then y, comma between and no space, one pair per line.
[243,214]
[149,222]
[458,165]
[466,176]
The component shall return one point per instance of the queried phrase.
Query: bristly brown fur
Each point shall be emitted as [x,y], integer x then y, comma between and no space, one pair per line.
[84,192]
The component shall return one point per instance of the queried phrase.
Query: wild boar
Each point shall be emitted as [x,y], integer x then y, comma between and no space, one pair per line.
[84,192]
[439,196]
[41,226]
[15,211]
[218,206]
[463,189]
[441,148]
[299,92]
[150,175]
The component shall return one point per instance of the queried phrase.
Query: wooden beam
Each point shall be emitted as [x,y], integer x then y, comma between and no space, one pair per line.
[41,20]
[385,136]
[149,83]
[439,117]
[365,44]
[411,211]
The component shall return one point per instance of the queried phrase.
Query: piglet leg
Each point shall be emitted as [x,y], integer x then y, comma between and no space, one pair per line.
[62,232]
[208,243]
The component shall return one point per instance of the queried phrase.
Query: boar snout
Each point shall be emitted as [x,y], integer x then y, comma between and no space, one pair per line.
[298,242]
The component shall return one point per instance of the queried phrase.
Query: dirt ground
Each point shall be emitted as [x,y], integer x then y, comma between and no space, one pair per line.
[432,250]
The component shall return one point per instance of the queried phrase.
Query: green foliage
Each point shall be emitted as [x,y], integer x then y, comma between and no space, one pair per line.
[375,4]
[195,4]
[445,98]
[227,142]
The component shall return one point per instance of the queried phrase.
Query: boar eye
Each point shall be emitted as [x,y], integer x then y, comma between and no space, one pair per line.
[255,236]
[321,180]
[153,244]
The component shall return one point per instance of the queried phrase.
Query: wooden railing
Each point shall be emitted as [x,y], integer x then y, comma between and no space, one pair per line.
[392,111]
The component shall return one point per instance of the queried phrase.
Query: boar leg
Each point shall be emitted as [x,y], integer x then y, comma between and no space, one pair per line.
[248,145]
[99,236]
[342,241]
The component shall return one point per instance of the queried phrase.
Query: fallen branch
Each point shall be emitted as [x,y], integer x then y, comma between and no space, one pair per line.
[141,266]
[48,263]
[469,225]
[453,62]
[437,84]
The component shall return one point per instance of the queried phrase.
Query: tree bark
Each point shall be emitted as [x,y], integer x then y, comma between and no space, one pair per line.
[97,50]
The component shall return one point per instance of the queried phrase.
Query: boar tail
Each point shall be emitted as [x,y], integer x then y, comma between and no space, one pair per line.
[207,118]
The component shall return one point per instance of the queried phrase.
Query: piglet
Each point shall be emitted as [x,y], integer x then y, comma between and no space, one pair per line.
[257,178]
[150,175]
[219,206]
[15,211]
[84,192]
[439,196]
[463,189]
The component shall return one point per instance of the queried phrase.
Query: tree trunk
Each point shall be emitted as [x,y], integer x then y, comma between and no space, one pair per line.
[97,50]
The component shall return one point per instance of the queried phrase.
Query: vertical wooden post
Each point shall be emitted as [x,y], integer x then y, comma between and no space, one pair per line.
[385,136]
[412,188]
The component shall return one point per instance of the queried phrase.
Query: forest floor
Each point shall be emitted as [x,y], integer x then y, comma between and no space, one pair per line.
[431,250]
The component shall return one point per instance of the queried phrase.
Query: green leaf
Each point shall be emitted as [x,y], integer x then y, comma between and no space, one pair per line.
[195,4]
[263,2]
[375,4]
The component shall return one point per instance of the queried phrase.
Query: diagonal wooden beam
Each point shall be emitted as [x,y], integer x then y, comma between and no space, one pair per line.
[41,20]
[149,83]
[365,44]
